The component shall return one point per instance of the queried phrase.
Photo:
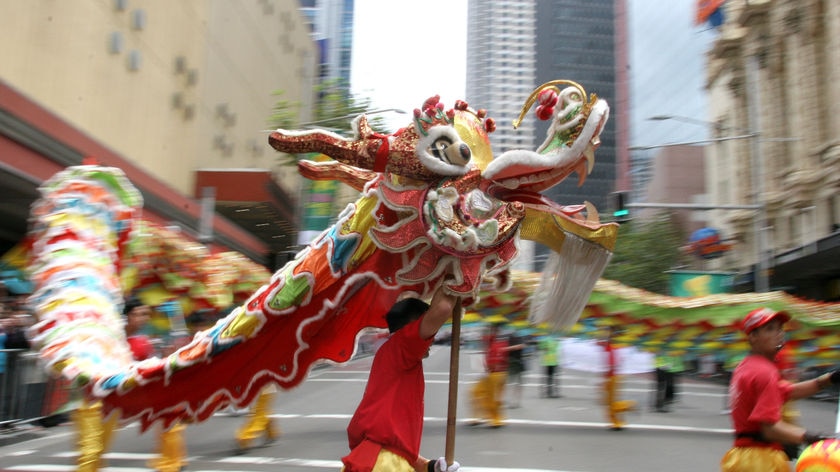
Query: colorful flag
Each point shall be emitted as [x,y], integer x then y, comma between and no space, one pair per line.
[709,11]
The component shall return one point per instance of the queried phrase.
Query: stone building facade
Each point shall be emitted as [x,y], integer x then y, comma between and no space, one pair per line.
[772,81]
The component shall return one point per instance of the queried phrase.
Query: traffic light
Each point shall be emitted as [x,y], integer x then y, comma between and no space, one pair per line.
[619,205]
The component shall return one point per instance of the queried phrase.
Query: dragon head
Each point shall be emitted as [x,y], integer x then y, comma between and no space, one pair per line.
[443,168]
[429,149]
[442,143]
[570,144]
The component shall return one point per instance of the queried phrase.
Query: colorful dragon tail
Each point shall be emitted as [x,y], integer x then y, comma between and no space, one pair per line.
[78,229]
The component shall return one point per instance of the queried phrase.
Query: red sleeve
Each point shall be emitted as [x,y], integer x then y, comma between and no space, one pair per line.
[772,392]
[413,348]
[141,347]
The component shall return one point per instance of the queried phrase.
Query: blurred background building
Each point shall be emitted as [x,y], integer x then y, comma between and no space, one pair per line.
[83,79]
[176,94]
[501,73]
[772,77]
[516,45]
[677,176]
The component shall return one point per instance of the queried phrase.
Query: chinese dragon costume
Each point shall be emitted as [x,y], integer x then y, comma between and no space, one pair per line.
[436,208]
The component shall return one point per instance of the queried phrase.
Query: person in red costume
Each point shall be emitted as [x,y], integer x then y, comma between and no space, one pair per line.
[757,394]
[615,407]
[385,431]
[487,394]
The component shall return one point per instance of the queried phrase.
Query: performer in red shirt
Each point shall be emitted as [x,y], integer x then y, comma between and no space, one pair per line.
[385,431]
[757,393]
[487,394]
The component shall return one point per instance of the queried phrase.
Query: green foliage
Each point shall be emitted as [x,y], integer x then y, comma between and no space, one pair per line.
[335,108]
[645,250]
[285,113]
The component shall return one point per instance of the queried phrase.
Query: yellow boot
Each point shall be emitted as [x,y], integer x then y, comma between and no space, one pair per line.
[172,455]
[93,435]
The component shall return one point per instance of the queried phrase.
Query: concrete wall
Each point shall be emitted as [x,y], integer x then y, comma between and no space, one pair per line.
[171,86]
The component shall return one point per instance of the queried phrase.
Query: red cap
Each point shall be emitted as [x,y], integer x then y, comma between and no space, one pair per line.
[760,317]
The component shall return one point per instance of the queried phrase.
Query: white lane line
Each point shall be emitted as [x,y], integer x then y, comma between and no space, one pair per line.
[337,464]
[320,464]
[71,468]
[333,464]
[575,424]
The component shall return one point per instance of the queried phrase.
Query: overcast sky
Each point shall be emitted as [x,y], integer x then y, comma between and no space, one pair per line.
[667,70]
[401,56]
[406,52]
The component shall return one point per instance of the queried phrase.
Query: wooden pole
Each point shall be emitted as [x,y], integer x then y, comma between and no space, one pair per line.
[454,364]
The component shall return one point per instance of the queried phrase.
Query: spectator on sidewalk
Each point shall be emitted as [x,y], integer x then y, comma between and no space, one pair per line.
[669,365]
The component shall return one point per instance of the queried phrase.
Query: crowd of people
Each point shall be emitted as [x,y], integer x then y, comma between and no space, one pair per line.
[385,431]
[14,321]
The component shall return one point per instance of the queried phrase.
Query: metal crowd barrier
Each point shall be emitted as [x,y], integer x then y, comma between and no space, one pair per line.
[27,393]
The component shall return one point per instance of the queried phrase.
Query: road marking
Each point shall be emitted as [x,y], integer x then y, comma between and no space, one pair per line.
[71,468]
[320,464]
[594,386]
[574,424]
[337,464]
[22,453]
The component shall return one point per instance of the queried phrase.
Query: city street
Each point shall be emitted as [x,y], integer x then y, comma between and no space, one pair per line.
[545,434]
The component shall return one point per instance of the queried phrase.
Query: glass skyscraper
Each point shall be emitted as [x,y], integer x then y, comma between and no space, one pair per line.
[516,45]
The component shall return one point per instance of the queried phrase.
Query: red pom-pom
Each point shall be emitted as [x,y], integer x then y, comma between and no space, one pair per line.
[548,97]
[490,125]
[544,112]
[431,101]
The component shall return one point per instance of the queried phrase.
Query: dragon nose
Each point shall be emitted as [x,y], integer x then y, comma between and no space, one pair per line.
[465,152]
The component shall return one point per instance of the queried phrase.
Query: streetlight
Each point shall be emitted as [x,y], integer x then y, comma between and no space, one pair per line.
[687,119]
[761,279]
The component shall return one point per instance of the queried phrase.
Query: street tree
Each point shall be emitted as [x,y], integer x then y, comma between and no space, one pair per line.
[645,251]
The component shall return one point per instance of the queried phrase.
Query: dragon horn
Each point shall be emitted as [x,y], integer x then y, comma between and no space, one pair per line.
[361,151]
[533,97]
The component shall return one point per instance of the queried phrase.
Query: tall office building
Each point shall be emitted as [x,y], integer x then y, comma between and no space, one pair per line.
[516,45]
[501,52]
[501,55]
[583,42]
[332,30]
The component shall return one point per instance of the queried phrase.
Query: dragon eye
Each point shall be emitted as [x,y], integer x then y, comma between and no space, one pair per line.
[439,147]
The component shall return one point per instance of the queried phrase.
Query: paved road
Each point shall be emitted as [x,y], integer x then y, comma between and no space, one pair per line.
[567,434]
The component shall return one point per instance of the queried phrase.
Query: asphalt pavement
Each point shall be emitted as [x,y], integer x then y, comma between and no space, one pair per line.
[566,434]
